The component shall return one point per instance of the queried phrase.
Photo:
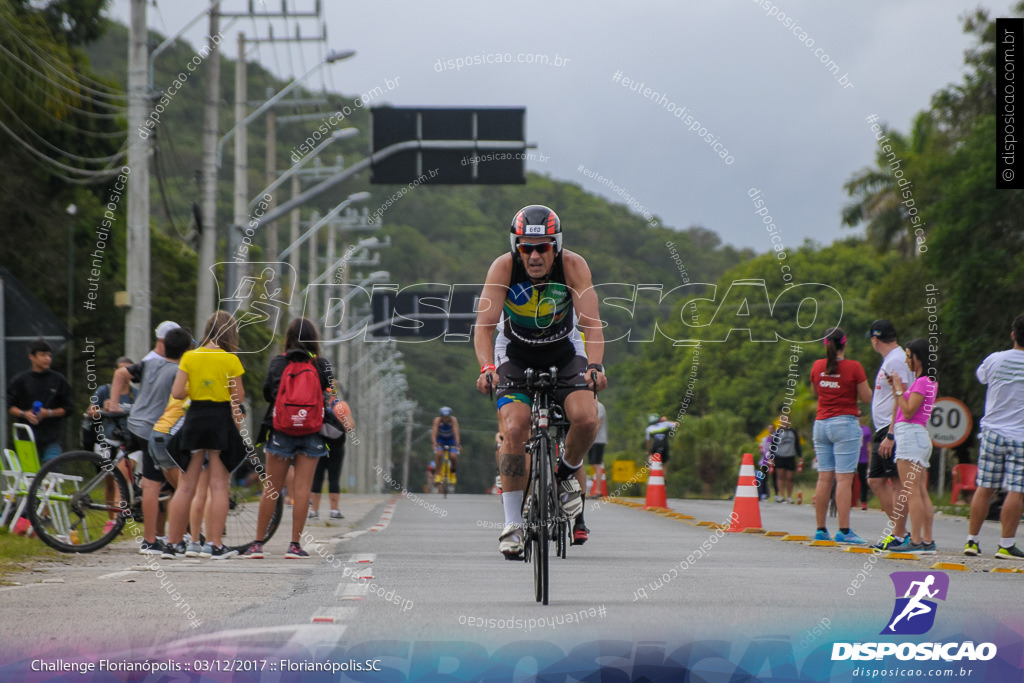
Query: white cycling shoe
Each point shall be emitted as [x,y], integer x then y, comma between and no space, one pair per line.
[511,541]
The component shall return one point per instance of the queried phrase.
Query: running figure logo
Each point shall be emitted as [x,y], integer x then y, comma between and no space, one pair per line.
[259,299]
[914,613]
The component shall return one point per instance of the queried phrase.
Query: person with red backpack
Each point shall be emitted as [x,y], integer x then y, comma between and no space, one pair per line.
[294,389]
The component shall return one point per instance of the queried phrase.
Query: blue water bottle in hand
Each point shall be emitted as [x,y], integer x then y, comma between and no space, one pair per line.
[36,407]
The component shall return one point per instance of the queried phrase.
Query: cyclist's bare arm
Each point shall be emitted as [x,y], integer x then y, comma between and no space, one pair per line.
[584,300]
[117,387]
[433,433]
[491,301]
[455,428]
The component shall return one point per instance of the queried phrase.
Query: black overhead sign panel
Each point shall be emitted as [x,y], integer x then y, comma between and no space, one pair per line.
[489,145]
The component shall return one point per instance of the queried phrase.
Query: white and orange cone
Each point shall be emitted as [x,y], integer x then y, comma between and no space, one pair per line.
[656,485]
[746,510]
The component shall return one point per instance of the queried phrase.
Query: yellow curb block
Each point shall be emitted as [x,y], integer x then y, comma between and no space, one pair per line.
[706,523]
[791,537]
[953,566]
[858,549]
[776,534]
[1004,570]
[754,530]
[825,544]
[900,556]
[679,515]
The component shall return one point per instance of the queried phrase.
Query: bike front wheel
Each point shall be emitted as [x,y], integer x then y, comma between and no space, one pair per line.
[542,530]
[78,502]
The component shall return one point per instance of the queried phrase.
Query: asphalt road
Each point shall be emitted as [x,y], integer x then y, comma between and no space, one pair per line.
[404,571]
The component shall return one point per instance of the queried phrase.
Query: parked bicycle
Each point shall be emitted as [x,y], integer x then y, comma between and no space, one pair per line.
[81,500]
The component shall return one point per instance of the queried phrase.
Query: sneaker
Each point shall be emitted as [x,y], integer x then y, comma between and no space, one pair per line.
[930,548]
[1011,553]
[580,533]
[193,549]
[295,552]
[313,514]
[778,499]
[851,538]
[108,526]
[889,543]
[915,548]
[863,506]
[253,552]
[570,496]
[154,548]
[207,551]
[511,541]
[222,552]
[174,551]
[789,500]
[336,514]
[971,548]
[820,535]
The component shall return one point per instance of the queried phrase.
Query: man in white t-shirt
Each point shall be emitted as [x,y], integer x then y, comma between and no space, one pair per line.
[161,331]
[1001,454]
[883,477]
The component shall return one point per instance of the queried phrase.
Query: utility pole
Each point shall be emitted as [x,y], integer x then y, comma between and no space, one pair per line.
[241,213]
[137,324]
[293,238]
[208,239]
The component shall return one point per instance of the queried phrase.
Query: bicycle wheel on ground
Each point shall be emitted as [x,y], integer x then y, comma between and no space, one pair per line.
[241,527]
[77,503]
[542,530]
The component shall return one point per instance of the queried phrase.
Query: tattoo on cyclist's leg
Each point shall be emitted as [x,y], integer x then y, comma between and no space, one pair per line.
[513,464]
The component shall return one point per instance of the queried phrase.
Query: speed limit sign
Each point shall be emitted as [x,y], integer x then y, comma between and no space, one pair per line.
[950,423]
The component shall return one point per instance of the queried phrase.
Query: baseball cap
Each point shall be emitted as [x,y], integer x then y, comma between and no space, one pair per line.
[166,326]
[884,330]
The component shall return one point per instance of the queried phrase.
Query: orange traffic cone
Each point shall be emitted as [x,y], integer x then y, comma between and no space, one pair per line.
[746,511]
[598,485]
[656,485]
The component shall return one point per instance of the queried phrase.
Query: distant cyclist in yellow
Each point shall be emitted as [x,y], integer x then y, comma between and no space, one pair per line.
[445,432]
[538,298]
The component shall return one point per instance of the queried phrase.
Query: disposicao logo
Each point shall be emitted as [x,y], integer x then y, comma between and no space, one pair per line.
[914,614]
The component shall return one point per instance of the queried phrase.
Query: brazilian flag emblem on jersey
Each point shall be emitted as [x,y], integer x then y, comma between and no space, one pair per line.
[537,307]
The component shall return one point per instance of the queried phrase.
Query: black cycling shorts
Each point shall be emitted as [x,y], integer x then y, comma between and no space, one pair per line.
[879,467]
[572,372]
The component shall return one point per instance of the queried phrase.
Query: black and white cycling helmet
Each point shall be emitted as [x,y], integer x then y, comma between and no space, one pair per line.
[535,221]
[445,411]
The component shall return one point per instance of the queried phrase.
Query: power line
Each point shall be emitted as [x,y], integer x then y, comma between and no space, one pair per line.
[70,155]
[96,175]
[110,92]
[104,105]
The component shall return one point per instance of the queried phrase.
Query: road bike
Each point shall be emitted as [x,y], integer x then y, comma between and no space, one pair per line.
[80,501]
[543,519]
[445,479]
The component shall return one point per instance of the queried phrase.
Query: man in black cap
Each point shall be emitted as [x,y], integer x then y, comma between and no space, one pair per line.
[883,477]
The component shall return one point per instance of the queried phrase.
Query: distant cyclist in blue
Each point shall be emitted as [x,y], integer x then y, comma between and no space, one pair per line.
[445,432]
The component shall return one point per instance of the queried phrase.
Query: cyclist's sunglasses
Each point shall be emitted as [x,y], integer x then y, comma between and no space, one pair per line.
[541,248]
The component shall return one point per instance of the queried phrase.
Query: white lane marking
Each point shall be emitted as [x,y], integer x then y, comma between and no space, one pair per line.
[114,575]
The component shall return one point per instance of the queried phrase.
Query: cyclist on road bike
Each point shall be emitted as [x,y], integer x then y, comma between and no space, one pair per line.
[535,297]
[445,432]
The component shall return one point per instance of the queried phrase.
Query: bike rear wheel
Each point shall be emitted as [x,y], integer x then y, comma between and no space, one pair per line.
[78,502]
[241,527]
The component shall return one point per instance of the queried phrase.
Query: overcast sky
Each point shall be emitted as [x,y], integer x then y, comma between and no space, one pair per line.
[790,127]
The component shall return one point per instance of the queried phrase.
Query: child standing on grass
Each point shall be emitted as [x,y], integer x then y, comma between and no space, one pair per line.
[211,377]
